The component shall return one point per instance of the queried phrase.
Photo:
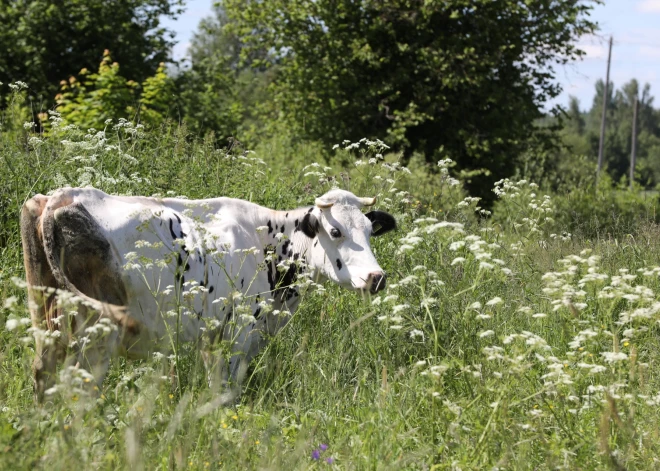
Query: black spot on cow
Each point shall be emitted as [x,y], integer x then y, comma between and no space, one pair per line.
[290,252]
[171,229]
[179,260]
[199,315]
[316,243]
[257,312]
[296,256]
[177,217]
[339,265]
[283,289]
[242,282]
[295,223]
[183,235]
[310,210]
[279,258]
[200,258]
[282,230]
[202,283]
[309,225]
[187,267]
[286,215]
[285,246]
[211,288]
[270,227]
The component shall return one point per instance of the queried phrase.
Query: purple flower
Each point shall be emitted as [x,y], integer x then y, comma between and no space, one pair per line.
[323,446]
[316,454]
[330,460]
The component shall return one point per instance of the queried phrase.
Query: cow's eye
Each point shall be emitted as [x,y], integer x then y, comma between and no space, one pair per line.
[335,233]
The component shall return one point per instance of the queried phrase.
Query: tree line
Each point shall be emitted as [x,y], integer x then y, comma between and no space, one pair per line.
[464,79]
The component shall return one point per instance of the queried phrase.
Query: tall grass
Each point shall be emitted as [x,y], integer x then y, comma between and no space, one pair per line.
[500,343]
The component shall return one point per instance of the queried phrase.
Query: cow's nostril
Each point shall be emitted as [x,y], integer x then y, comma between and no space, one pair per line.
[377,282]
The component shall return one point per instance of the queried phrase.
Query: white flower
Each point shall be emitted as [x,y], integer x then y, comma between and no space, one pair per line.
[10,301]
[486,333]
[416,333]
[399,308]
[11,324]
[611,357]
[457,245]
[458,260]
[496,300]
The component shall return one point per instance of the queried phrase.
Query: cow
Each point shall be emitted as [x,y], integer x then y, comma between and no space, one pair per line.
[143,272]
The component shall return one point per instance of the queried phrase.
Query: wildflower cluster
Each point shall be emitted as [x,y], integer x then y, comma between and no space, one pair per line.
[529,214]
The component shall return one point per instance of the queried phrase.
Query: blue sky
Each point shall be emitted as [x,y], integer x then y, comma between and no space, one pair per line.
[635,25]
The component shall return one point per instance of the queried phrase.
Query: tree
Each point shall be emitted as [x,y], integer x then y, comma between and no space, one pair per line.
[45,41]
[221,92]
[461,78]
[93,98]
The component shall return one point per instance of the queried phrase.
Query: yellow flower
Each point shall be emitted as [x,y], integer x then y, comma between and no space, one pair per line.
[224,425]
[171,396]
[256,442]
[625,344]
[235,417]
[74,398]
[67,426]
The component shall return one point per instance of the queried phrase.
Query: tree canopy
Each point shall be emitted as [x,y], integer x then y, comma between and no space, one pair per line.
[463,78]
[45,41]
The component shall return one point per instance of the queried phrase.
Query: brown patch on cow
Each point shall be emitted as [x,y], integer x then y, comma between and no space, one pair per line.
[41,303]
[64,249]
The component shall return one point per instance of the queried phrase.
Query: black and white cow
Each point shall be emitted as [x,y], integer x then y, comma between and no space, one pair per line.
[156,268]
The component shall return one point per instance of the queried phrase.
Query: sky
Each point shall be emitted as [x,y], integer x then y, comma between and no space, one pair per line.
[634,25]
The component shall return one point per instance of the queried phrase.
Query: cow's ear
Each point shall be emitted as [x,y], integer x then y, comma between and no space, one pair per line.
[381,222]
[309,225]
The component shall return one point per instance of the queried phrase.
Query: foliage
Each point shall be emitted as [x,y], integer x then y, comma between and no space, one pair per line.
[494,345]
[43,41]
[93,99]
[463,78]
[581,135]
[219,93]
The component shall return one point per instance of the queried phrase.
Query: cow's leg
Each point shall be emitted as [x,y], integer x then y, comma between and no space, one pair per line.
[42,306]
[97,344]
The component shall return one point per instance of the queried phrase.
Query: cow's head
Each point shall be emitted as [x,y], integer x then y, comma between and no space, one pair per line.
[340,231]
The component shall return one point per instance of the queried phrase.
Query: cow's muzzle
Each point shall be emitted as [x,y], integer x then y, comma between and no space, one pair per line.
[376,282]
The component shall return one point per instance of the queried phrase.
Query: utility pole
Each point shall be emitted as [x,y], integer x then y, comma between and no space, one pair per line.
[602,121]
[633,152]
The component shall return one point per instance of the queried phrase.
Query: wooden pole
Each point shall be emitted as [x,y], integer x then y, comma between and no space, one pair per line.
[633,152]
[603,119]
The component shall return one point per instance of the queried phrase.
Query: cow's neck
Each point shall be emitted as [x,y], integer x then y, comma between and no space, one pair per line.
[292,246]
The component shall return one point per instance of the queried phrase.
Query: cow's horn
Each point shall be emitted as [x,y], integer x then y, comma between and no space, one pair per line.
[368,201]
[323,204]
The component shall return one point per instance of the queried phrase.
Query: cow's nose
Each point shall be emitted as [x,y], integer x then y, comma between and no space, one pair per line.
[377,282]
